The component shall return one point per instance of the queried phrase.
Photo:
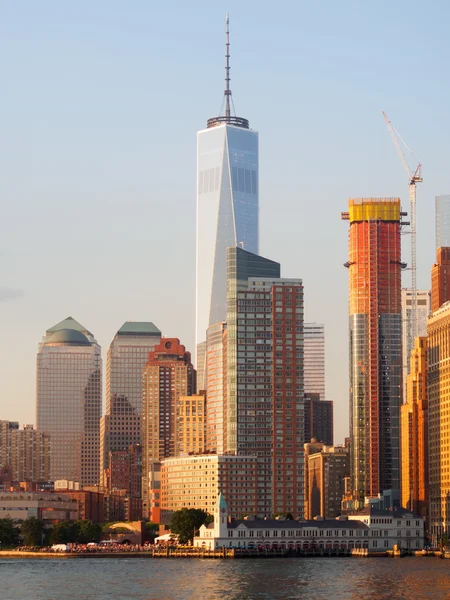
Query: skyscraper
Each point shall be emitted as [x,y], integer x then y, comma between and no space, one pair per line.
[168,374]
[414,433]
[438,428]
[26,452]
[423,312]
[375,344]
[127,355]
[442,221]
[216,342]
[69,400]
[315,359]
[227,207]
[264,405]
[440,278]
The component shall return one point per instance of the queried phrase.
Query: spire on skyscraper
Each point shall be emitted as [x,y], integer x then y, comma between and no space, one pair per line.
[227,118]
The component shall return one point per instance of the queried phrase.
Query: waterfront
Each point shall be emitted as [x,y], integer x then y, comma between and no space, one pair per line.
[184,579]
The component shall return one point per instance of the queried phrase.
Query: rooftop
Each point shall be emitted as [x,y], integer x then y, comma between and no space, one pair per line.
[291,524]
[69,323]
[139,328]
[69,337]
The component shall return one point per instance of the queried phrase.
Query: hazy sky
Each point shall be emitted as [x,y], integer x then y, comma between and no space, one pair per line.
[100,105]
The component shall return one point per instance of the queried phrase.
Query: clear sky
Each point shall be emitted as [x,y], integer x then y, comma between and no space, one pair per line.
[100,105]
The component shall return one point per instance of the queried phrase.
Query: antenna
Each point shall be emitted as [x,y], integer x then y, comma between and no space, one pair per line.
[227,69]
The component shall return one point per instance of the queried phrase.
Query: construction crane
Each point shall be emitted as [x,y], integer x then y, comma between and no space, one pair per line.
[415,177]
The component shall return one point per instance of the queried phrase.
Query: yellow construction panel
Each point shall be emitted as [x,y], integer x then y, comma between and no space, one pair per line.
[361,209]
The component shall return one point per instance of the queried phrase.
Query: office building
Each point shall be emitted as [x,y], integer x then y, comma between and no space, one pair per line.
[127,355]
[414,433]
[25,452]
[124,471]
[264,409]
[318,419]
[196,481]
[48,507]
[442,221]
[423,312]
[326,468]
[374,267]
[438,430]
[314,360]
[168,374]
[191,424]
[216,387]
[440,279]
[227,208]
[69,400]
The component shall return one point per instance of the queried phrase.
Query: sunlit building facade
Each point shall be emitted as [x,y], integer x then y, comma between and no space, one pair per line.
[216,387]
[191,424]
[375,321]
[69,400]
[440,278]
[438,419]
[167,375]
[265,378]
[414,433]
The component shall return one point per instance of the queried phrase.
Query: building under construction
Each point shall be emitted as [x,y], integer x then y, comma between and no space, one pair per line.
[375,344]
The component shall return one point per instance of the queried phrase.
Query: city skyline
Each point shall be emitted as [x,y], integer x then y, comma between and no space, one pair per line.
[28,258]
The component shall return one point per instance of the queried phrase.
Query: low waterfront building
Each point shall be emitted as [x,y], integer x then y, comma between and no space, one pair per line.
[392,527]
[195,482]
[51,508]
[375,531]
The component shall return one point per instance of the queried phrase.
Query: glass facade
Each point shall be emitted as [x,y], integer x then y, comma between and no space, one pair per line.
[375,344]
[423,312]
[442,221]
[227,213]
[315,359]
[127,356]
[69,402]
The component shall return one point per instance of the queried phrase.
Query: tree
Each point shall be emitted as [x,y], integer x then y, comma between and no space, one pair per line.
[64,532]
[186,521]
[32,531]
[9,533]
[87,531]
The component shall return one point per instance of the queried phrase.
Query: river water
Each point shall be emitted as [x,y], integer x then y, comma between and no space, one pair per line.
[252,579]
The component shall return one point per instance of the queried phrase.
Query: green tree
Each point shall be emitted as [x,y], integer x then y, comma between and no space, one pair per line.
[185,523]
[9,533]
[87,531]
[64,532]
[32,531]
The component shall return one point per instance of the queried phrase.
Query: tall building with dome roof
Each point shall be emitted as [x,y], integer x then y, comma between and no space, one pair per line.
[69,400]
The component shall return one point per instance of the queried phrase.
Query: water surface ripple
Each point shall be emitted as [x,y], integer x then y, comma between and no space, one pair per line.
[253,579]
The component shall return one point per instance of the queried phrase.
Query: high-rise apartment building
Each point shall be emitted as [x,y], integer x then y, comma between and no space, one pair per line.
[440,278]
[69,400]
[191,424]
[25,452]
[265,377]
[318,419]
[227,207]
[326,469]
[315,359]
[374,266]
[423,312]
[442,221]
[438,428]
[414,433]
[216,340]
[128,353]
[124,471]
[168,374]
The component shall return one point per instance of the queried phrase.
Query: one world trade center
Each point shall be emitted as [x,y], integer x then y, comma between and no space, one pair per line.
[227,207]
